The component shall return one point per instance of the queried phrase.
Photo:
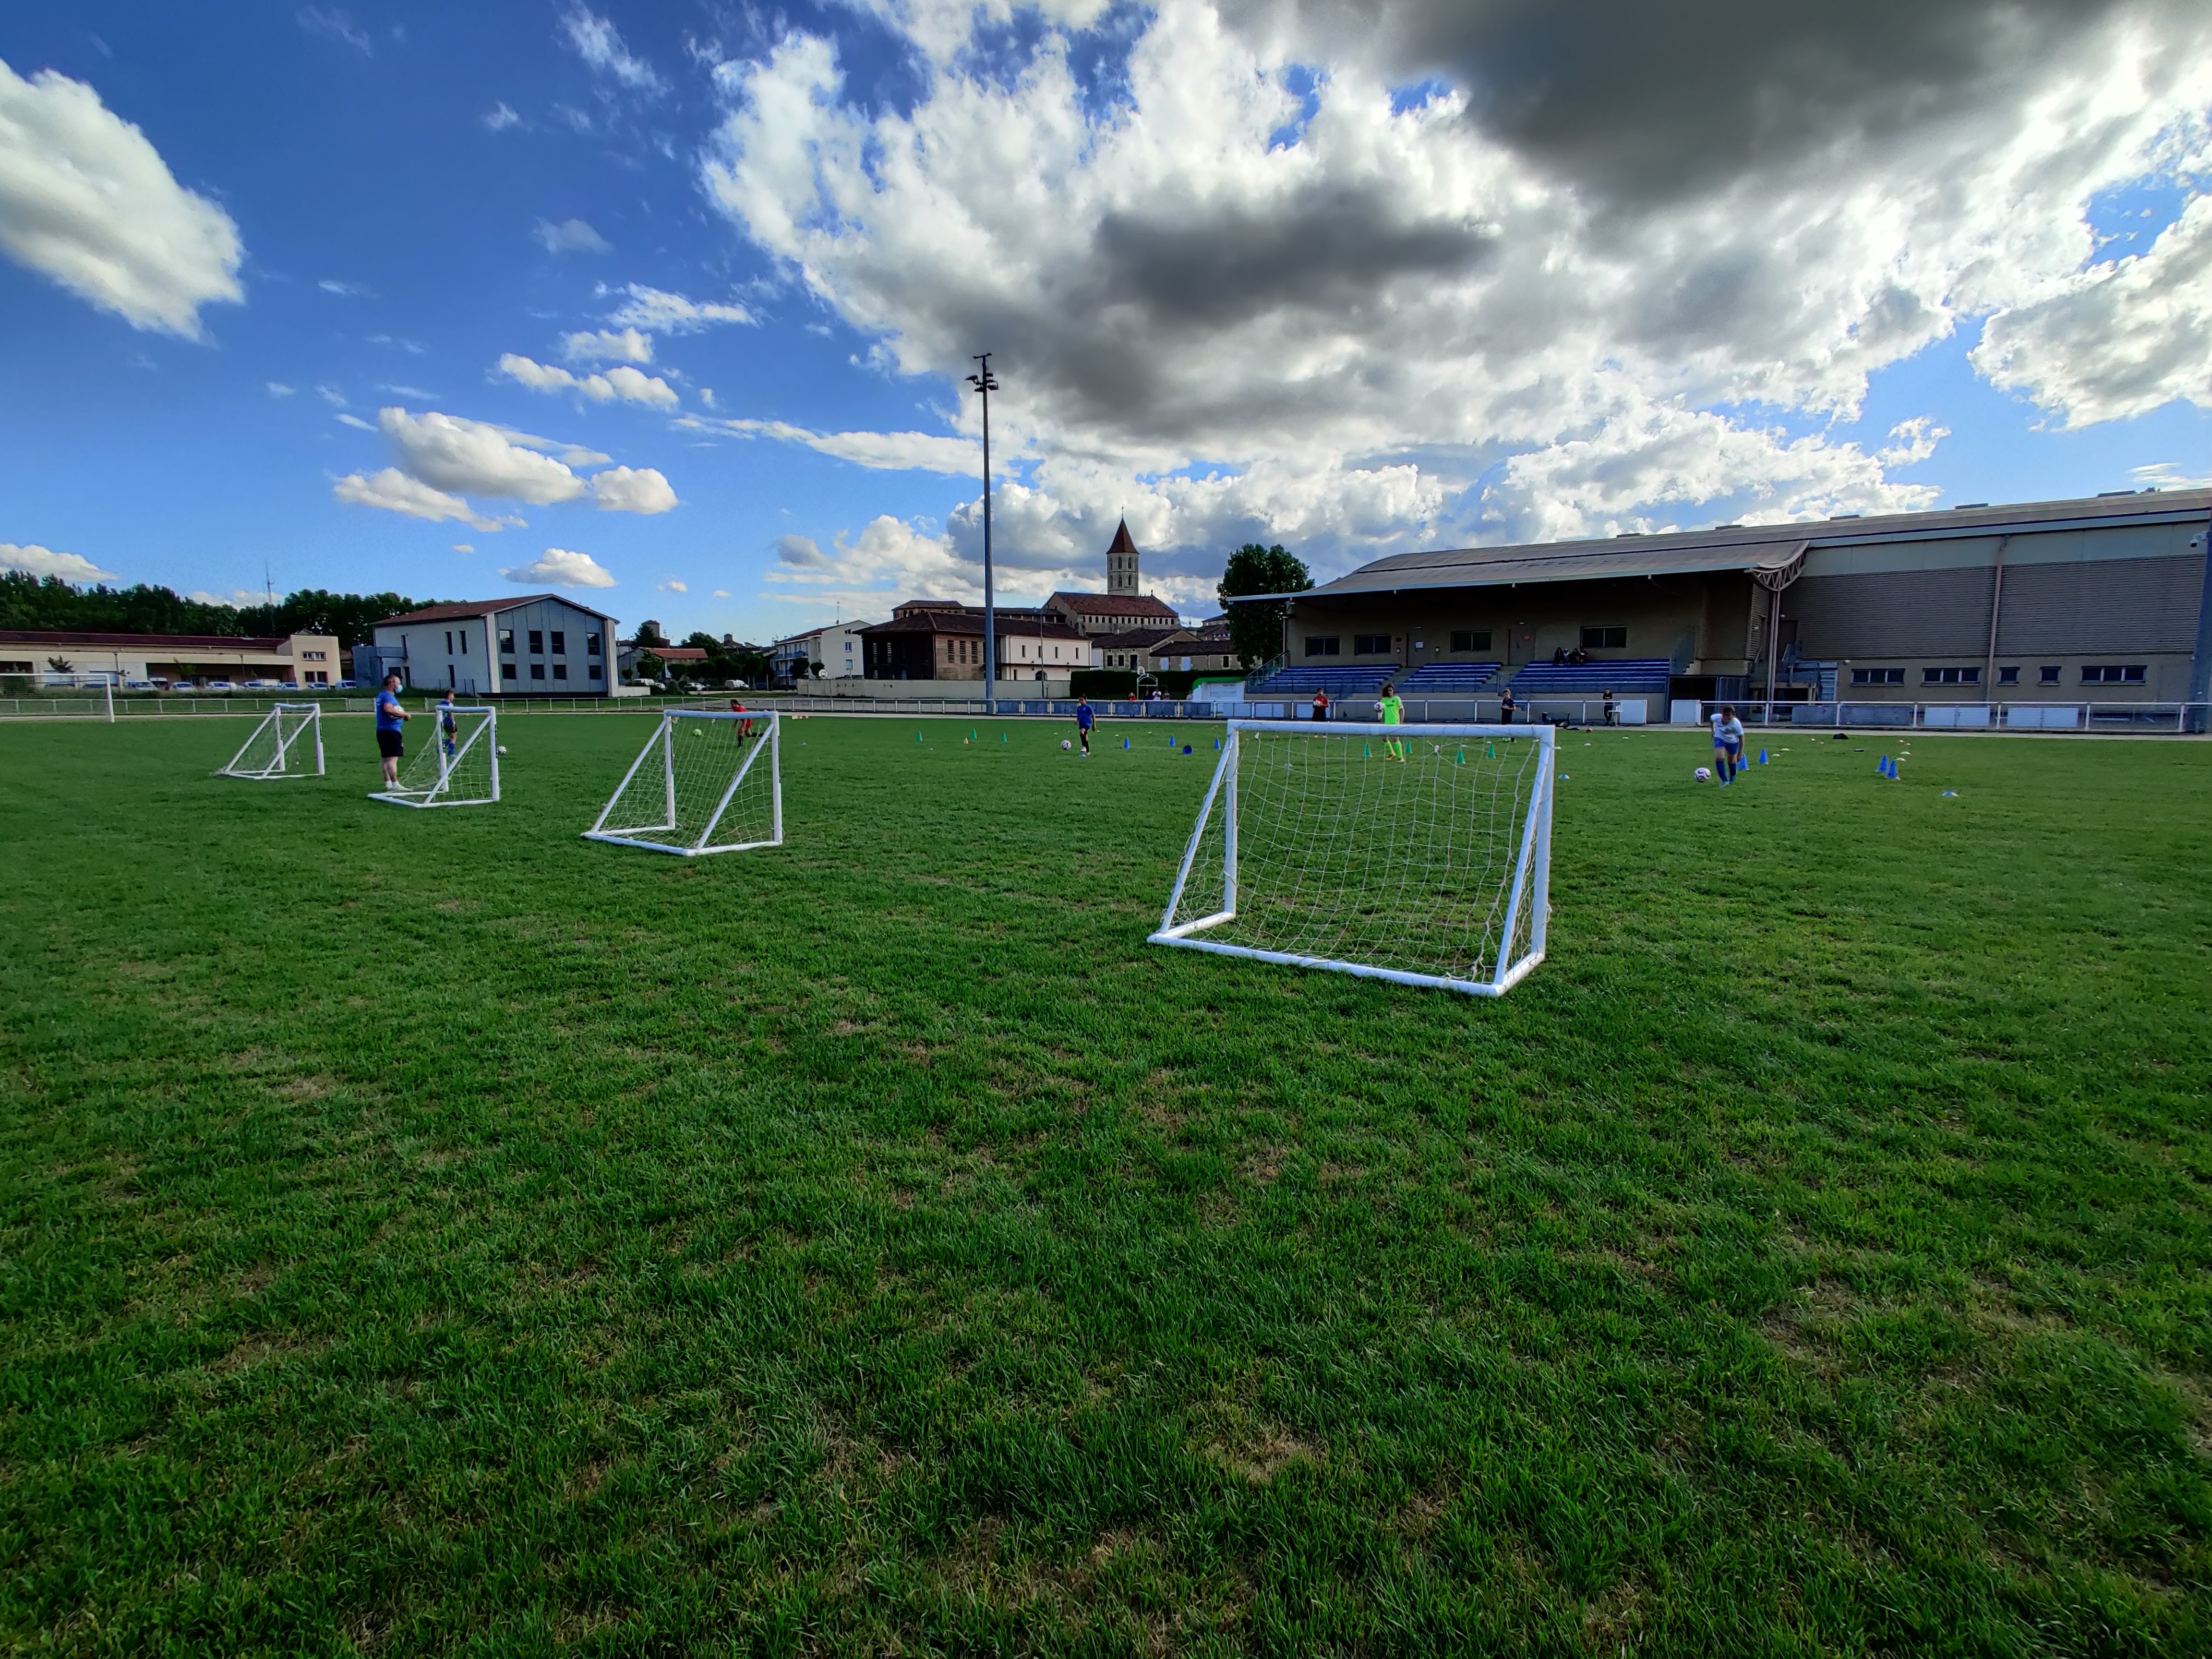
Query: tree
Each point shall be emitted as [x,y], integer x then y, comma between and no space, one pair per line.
[1256,629]
[30,602]
[648,633]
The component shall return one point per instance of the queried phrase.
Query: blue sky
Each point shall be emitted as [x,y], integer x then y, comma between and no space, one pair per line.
[1221,306]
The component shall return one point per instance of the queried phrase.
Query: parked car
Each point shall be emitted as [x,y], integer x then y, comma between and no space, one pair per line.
[141,685]
[218,685]
[266,685]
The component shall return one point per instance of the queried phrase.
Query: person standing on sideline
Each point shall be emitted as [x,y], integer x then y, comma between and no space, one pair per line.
[1320,704]
[1083,717]
[1505,708]
[390,730]
[1728,744]
[1612,715]
[449,729]
[1392,712]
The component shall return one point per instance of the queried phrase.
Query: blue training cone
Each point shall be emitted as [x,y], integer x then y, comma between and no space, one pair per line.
[1125,743]
[1762,757]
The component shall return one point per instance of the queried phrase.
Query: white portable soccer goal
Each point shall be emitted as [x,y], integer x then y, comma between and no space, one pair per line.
[458,766]
[1416,854]
[706,782]
[287,744]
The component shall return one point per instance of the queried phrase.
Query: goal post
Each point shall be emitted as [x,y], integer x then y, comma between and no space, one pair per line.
[708,780]
[287,743]
[458,767]
[1419,855]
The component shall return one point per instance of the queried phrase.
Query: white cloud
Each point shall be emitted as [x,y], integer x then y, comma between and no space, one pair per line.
[2167,475]
[571,236]
[343,290]
[44,562]
[332,395]
[721,592]
[662,312]
[597,44]
[472,458]
[627,384]
[333,22]
[499,118]
[2122,338]
[601,345]
[87,202]
[393,491]
[357,422]
[641,490]
[1911,441]
[1242,293]
[671,586]
[560,569]
[278,389]
[889,452]
[463,547]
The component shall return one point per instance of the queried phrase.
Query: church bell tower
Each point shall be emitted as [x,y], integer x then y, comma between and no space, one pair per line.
[1121,564]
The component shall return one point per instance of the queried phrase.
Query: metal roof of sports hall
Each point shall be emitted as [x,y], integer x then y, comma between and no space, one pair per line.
[1744,547]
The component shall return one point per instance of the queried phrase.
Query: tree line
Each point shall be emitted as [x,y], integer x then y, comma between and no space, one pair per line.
[49,602]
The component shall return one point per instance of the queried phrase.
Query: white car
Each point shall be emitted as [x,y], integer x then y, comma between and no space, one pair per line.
[266,685]
[218,685]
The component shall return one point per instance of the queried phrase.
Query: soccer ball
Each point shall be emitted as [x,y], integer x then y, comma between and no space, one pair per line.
[1065,745]
[1702,774]
[503,749]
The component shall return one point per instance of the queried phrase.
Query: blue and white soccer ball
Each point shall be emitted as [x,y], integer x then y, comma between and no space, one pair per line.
[1702,774]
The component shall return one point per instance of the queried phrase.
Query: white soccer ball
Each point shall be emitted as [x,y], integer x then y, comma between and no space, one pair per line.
[503,749]
[1065,745]
[1702,774]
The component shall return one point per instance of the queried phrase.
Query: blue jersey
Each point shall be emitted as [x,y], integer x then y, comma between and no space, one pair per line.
[387,712]
[1083,718]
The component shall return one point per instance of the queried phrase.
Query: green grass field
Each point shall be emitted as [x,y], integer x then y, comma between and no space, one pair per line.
[431,1232]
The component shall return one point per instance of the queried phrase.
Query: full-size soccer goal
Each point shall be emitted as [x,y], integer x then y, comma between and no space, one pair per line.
[706,782]
[458,766]
[288,744]
[1417,854]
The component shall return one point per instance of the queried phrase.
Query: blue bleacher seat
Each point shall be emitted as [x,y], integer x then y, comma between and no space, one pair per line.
[1445,679]
[1305,680]
[1628,677]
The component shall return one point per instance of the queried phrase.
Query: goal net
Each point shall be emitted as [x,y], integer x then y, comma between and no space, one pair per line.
[456,765]
[706,782]
[1417,854]
[288,744]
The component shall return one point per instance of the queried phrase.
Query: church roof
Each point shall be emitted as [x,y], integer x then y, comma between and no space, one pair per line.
[1121,544]
[1113,605]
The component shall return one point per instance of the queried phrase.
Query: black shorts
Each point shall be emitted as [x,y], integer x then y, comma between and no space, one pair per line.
[391,745]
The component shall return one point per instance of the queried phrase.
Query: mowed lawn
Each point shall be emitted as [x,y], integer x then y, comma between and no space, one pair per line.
[432,1232]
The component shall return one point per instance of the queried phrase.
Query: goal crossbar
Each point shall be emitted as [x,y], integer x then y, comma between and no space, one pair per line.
[1451,865]
[665,831]
[467,775]
[279,745]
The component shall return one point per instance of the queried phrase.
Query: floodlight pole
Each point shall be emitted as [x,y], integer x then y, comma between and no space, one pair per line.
[984,382]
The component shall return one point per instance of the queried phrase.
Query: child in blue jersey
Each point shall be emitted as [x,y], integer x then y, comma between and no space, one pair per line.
[1084,720]
[1727,745]
[390,730]
[449,729]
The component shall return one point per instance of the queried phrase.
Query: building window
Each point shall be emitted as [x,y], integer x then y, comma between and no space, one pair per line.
[1322,645]
[1950,677]
[1470,639]
[598,672]
[537,671]
[560,670]
[2008,677]
[1877,677]
[316,656]
[591,645]
[537,642]
[2113,674]
[449,642]
[1370,645]
[1605,639]
[560,642]
[506,642]
[465,641]
[2048,674]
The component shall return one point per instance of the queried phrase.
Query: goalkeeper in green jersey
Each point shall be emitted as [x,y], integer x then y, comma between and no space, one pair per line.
[1394,714]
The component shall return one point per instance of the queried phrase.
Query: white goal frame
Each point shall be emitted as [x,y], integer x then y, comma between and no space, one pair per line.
[663,740]
[444,791]
[274,769]
[1532,869]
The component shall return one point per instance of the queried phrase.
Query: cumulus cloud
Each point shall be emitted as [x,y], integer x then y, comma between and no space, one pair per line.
[87,202]
[601,345]
[560,567]
[1238,292]
[2122,338]
[475,458]
[595,40]
[671,586]
[660,312]
[37,560]
[393,491]
[278,389]
[463,547]
[641,490]
[571,236]
[628,384]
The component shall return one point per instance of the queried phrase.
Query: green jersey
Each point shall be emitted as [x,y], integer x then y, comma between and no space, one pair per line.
[1393,712]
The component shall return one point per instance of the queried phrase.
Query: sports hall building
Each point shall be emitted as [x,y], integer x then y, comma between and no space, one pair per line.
[2062,602]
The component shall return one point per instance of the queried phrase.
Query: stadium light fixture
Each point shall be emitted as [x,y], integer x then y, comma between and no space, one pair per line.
[985,382]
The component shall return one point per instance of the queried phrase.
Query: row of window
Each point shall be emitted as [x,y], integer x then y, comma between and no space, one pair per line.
[1462,640]
[2047,674]
[537,643]
[537,671]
